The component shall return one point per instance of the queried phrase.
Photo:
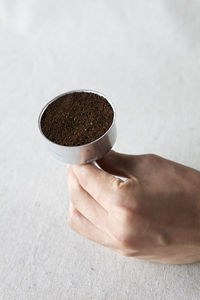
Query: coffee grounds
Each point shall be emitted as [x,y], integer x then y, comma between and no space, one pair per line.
[77,119]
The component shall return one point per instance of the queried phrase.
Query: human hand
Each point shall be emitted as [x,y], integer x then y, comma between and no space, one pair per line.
[154,214]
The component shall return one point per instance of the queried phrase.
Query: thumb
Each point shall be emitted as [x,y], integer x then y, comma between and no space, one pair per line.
[119,164]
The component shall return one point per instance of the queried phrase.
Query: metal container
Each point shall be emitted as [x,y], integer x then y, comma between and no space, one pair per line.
[85,153]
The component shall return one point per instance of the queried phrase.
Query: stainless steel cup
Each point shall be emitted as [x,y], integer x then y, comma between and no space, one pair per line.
[85,153]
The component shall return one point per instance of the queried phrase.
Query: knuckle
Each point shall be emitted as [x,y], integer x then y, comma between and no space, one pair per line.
[124,185]
[127,240]
[124,240]
[117,184]
[126,196]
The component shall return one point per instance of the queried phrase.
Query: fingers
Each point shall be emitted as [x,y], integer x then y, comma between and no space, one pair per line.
[85,204]
[83,226]
[119,164]
[99,184]
[105,220]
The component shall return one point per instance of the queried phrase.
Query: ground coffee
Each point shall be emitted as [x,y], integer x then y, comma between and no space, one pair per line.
[76,119]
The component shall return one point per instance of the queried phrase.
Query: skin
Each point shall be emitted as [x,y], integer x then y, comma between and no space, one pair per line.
[153,214]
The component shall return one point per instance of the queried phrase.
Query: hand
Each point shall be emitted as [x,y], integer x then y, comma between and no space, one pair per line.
[154,214]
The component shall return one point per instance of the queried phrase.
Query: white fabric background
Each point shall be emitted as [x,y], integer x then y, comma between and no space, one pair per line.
[145,56]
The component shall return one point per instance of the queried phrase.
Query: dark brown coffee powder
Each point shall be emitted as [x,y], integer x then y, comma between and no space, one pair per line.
[77,119]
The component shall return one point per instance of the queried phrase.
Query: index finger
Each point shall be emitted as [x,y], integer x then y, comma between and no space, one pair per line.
[98,183]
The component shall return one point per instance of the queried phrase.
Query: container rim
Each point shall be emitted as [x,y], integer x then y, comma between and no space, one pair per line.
[71,92]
